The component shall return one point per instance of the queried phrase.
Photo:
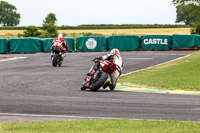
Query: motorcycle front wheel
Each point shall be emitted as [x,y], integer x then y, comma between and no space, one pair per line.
[97,83]
[55,60]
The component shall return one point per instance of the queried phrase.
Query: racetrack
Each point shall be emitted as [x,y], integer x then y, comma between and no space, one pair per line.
[32,90]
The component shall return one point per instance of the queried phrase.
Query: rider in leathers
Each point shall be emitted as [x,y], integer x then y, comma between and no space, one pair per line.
[112,64]
[64,46]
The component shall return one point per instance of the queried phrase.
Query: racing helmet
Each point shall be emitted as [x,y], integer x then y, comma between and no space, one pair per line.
[60,35]
[114,51]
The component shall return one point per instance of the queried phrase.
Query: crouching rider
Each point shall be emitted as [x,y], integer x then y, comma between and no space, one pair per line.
[112,64]
[63,45]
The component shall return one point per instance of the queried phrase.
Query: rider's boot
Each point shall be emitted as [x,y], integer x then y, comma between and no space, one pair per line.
[108,83]
[63,55]
[51,55]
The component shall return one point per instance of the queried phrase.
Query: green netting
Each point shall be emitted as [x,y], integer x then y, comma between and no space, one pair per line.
[25,45]
[123,43]
[92,44]
[156,42]
[4,45]
[46,43]
[183,41]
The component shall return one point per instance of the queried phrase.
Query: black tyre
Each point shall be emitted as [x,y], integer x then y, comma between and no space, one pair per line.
[83,88]
[99,82]
[60,63]
[55,60]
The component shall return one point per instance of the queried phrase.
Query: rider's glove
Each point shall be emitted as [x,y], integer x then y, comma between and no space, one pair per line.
[97,58]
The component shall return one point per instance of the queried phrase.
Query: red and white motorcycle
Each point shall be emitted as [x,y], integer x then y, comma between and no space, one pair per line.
[57,54]
[94,83]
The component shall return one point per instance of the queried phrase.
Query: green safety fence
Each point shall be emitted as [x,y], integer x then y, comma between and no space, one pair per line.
[156,42]
[4,45]
[92,44]
[46,43]
[25,45]
[185,41]
[197,41]
[124,43]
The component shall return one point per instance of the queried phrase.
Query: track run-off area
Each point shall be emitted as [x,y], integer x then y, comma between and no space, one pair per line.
[32,90]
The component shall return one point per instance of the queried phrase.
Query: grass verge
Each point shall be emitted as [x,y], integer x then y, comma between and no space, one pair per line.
[106,126]
[183,74]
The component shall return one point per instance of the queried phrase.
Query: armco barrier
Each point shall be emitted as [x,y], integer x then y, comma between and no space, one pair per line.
[4,45]
[92,44]
[25,45]
[123,43]
[46,43]
[156,42]
[185,41]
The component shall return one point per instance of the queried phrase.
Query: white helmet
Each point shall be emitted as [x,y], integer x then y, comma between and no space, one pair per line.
[114,51]
[60,35]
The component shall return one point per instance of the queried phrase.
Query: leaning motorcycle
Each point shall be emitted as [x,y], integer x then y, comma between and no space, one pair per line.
[95,82]
[57,50]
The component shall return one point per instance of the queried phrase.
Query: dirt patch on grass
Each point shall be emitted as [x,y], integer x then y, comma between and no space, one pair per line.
[3,58]
[166,65]
[135,86]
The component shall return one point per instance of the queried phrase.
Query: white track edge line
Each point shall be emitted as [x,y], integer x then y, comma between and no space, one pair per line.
[157,65]
[17,58]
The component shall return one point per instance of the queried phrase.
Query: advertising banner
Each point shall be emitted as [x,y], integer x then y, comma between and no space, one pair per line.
[156,42]
[92,44]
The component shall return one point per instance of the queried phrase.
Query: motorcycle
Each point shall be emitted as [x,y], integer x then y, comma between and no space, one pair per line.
[94,83]
[57,56]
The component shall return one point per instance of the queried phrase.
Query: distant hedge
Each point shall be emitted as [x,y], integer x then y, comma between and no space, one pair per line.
[15,27]
[102,26]
[124,26]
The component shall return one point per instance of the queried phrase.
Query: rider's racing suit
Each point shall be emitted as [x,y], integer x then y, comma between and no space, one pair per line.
[112,64]
[63,47]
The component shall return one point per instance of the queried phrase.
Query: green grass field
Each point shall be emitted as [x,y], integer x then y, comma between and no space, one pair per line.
[102,126]
[182,74]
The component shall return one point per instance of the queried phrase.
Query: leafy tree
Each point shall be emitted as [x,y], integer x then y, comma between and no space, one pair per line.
[187,13]
[50,19]
[49,30]
[195,28]
[183,2]
[192,7]
[49,27]
[8,14]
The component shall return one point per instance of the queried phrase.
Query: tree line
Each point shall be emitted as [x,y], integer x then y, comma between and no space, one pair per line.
[104,26]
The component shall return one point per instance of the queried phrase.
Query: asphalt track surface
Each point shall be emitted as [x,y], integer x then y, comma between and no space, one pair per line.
[32,90]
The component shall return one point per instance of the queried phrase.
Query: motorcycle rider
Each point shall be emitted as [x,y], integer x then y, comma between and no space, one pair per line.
[112,64]
[64,46]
